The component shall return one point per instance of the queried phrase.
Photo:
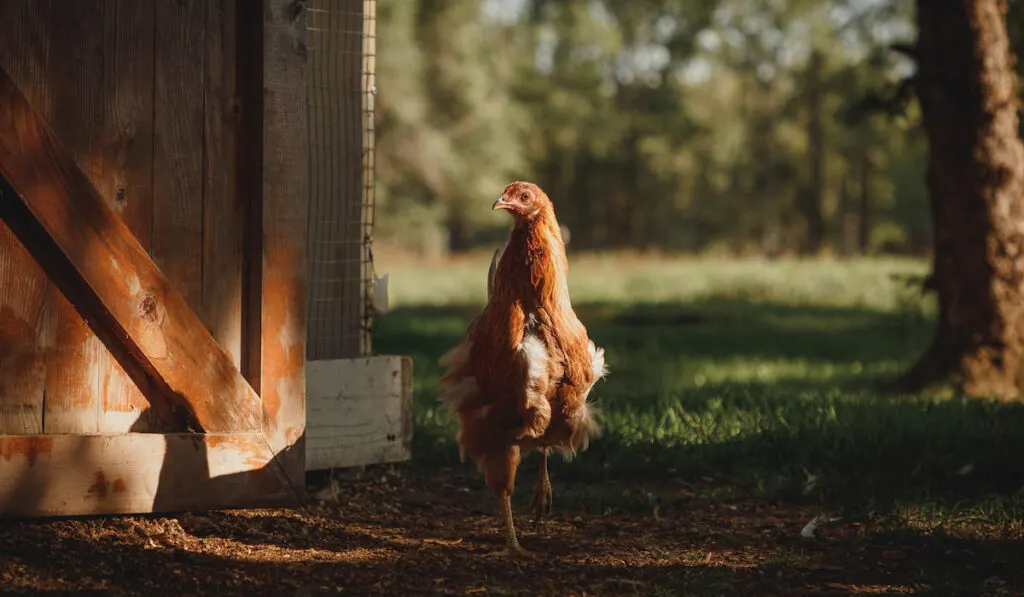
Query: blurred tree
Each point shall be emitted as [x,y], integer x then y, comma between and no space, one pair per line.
[966,87]
[448,139]
[814,191]
[680,125]
[608,119]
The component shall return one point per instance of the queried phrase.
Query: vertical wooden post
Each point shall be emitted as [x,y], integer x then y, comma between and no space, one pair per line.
[223,211]
[284,207]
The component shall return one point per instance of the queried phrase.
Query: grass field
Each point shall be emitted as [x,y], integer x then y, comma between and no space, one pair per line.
[758,375]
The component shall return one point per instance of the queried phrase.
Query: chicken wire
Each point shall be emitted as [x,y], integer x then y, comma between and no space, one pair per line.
[341,38]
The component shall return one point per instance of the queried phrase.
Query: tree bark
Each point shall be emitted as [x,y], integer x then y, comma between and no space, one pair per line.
[810,198]
[851,216]
[967,92]
[864,203]
[460,232]
[764,189]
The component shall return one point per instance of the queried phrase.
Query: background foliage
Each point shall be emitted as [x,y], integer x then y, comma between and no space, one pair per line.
[762,127]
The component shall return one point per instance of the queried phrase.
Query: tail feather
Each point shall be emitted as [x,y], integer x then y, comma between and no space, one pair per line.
[584,421]
[457,385]
[584,428]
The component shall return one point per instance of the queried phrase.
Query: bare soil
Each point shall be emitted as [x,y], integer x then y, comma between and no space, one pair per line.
[429,534]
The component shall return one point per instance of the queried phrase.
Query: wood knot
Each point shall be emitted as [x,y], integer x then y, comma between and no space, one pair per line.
[147,308]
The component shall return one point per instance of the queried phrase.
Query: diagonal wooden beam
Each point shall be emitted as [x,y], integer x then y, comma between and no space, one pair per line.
[92,255]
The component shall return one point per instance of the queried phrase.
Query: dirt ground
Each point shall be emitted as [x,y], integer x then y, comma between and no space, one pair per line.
[401,534]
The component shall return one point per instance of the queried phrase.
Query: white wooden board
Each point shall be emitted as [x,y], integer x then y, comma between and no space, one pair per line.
[75,474]
[358,411]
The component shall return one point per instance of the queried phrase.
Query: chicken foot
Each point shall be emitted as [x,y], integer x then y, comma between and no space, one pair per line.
[542,497]
[512,550]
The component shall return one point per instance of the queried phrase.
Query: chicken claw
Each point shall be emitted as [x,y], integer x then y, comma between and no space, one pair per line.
[516,552]
[513,550]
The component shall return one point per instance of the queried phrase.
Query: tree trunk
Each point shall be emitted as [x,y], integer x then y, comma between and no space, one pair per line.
[864,203]
[810,198]
[966,88]
[625,227]
[1015,24]
[849,231]
[460,232]
[764,189]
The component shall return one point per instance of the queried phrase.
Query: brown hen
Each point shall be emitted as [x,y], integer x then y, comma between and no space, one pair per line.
[520,379]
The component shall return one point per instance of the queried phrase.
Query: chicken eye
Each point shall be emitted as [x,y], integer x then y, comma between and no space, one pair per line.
[524,197]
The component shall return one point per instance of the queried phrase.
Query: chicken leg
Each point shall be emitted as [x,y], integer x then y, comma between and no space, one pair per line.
[542,494]
[512,550]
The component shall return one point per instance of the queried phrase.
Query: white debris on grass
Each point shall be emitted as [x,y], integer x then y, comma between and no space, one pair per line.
[808,531]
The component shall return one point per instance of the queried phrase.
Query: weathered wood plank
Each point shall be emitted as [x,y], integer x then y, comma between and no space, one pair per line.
[75,73]
[249,79]
[78,366]
[63,475]
[359,411]
[24,48]
[284,220]
[178,148]
[22,351]
[89,250]
[225,210]
[127,182]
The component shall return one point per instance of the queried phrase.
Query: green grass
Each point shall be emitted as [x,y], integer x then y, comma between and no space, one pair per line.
[749,374]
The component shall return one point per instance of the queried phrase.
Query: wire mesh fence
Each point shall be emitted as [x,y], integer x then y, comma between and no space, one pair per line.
[341,38]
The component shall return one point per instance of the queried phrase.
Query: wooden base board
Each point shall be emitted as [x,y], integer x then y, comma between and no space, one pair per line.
[358,411]
[60,475]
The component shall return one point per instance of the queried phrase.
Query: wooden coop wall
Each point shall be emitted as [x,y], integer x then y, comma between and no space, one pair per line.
[359,406]
[187,119]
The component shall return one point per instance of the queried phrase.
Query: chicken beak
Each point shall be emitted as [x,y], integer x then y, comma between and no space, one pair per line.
[501,204]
